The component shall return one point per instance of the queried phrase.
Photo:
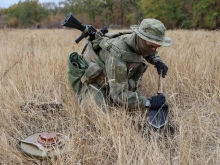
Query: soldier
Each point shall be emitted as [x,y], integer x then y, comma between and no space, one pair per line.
[124,60]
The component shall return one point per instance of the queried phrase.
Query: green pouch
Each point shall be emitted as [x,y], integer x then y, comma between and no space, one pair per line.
[77,67]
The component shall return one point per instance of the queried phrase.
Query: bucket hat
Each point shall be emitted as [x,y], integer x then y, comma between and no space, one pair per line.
[152,30]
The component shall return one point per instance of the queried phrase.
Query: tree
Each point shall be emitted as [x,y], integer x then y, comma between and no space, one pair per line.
[206,14]
[27,13]
[170,12]
[118,13]
[3,18]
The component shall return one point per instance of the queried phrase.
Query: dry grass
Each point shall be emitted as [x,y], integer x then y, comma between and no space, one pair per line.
[33,72]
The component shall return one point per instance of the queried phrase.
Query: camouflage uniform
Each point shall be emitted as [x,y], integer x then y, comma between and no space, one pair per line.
[124,65]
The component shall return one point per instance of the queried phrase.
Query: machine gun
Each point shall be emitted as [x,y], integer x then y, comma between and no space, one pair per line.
[87,30]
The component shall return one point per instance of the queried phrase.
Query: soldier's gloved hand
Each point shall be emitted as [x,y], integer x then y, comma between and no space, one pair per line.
[161,67]
[157,101]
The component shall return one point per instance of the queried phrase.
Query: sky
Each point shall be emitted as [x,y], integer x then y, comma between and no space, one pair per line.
[7,3]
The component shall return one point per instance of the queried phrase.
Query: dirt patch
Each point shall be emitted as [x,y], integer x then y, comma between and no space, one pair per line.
[46,108]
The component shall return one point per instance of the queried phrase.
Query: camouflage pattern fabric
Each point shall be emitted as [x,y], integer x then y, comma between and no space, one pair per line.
[125,59]
[124,68]
[90,93]
[152,30]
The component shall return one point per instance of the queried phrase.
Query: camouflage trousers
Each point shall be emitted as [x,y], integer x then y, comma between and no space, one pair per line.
[93,94]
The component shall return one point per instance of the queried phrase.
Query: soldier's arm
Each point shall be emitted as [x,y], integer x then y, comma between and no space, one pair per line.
[153,58]
[118,82]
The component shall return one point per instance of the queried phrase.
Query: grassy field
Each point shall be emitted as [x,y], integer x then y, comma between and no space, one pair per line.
[33,73]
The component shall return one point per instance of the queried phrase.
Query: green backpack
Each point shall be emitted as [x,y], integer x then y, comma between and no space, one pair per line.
[77,67]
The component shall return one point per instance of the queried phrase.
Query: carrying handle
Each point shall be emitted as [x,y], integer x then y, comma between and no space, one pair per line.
[160,84]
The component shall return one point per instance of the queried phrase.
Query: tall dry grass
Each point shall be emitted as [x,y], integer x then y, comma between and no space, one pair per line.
[33,72]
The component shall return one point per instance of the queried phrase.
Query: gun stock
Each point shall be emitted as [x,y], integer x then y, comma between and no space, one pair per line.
[72,22]
[87,30]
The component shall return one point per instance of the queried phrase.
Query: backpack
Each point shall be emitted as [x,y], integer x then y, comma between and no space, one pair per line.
[77,67]
[83,69]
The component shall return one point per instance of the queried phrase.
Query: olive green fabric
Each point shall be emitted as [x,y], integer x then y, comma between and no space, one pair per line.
[90,56]
[93,92]
[123,80]
[95,65]
[152,30]
[124,67]
[93,71]
[77,67]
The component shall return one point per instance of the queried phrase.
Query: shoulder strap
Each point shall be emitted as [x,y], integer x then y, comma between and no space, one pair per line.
[113,35]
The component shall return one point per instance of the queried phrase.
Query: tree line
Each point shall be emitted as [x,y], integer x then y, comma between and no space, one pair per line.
[184,14]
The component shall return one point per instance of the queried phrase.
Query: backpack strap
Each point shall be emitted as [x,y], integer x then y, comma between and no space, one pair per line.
[114,35]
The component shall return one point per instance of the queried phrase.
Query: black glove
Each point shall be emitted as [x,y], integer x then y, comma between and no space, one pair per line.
[161,67]
[165,106]
[157,101]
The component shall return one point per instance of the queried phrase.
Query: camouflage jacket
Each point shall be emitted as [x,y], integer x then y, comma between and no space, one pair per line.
[123,70]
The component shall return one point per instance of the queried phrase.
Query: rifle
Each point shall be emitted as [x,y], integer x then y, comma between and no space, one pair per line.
[87,30]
